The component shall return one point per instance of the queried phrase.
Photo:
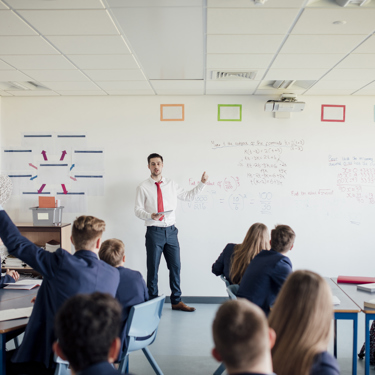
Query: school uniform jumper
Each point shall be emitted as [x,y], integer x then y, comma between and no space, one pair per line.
[325,364]
[101,368]
[131,291]
[264,278]
[224,262]
[64,275]
[161,236]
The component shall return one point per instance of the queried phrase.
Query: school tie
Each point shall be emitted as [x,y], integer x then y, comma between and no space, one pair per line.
[160,199]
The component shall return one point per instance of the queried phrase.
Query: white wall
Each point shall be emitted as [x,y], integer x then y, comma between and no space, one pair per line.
[334,233]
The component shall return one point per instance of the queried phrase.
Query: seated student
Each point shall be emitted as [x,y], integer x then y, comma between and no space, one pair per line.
[132,289]
[234,259]
[87,327]
[64,275]
[10,276]
[301,318]
[267,272]
[242,338]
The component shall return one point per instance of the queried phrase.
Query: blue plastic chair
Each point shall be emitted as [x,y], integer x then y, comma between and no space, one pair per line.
[62,367]
[232,291]
[142,326]
[227,283]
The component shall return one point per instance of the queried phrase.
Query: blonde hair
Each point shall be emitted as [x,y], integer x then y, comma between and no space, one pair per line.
[112,251]
[301,318]
[240,333]
[86,230]
[256,240]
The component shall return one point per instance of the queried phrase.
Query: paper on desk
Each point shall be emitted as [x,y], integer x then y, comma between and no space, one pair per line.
[15,313]
[27,282]
[335,300]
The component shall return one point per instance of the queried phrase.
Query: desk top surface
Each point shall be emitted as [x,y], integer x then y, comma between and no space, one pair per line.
[15,299]
[31,225]
[357,296]
[346,303]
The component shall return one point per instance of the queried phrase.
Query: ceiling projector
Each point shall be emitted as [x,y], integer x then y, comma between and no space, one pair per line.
[287,103]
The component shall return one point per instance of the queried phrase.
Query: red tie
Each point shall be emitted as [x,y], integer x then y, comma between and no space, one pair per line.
[160,199]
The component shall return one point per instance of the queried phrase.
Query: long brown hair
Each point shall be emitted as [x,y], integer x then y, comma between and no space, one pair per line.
[256,239]
[301,318]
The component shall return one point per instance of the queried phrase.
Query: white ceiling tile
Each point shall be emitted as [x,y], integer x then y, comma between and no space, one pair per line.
[11,24]
[357,60]
[180,91]
[294,74]
[33,93]
[38,62]
[104,61]
[56,4]
[268,88]
[367,47]
[57,75]
[13,75]
[340,85]
[124,85]
[238,61]
[321,21]
[81,93]
[351,74]
[321,43]
[243,43]
[232,85]
[71,86]
[25,45]
[70,22]
[333,92]
[153,3]
[115,75]
[90,45]
[172,84]
[229,91]
[4,93]
[368,90]
[251,4]
[307,61]
[3,6]
[249,21]
[130,92]
[5,66]
[332,4]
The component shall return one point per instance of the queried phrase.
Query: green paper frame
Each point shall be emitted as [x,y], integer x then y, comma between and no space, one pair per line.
[229,105]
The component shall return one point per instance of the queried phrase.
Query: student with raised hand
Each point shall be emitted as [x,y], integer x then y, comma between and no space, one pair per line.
[302,318]
[132,289]
[87,327]
[64,275]
[267,272]
[242,338]
[234,259]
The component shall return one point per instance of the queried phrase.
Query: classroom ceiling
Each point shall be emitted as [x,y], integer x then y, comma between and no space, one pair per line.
[186,47]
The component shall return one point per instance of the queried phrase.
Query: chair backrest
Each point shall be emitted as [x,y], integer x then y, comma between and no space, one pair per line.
[227,283]
[143,322]
[232,291]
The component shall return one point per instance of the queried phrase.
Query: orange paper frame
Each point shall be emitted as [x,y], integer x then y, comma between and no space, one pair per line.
[172,105]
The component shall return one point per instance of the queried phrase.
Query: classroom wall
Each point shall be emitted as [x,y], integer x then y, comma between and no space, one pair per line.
[293,173]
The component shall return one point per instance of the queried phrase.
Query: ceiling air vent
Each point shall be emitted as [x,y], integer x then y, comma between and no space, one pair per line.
[344,3]
[287,84]
[21,86]
[231,76]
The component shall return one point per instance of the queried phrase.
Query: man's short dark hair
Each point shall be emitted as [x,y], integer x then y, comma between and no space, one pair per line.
[151,156]
[282,238]
[86,325]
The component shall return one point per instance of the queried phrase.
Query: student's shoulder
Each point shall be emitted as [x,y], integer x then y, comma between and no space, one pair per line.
[325,364]
[229,248]
[129,273]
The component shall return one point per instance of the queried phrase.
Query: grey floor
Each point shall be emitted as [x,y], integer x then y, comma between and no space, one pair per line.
[184,342]
[183,345]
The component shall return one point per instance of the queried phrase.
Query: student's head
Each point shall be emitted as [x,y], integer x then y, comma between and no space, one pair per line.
[301,318]
[241,336]
[87,232]
[257,238]
[112,252]
[87,328]
[282,238]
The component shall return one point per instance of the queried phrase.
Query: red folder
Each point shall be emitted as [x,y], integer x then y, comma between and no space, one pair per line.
[355,279]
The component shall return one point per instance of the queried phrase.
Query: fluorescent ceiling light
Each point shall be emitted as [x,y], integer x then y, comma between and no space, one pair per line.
[344,3]
[283,84]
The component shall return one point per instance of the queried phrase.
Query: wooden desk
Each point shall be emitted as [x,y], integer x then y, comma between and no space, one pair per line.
[347,310]
[13,299]
[359,297]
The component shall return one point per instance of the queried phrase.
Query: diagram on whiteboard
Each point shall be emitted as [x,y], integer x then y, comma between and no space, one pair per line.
[58,164]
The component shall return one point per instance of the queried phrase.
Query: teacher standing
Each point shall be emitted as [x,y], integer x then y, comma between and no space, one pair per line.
[154,195]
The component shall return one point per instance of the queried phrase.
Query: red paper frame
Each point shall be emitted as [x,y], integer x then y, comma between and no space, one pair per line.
[328,105]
